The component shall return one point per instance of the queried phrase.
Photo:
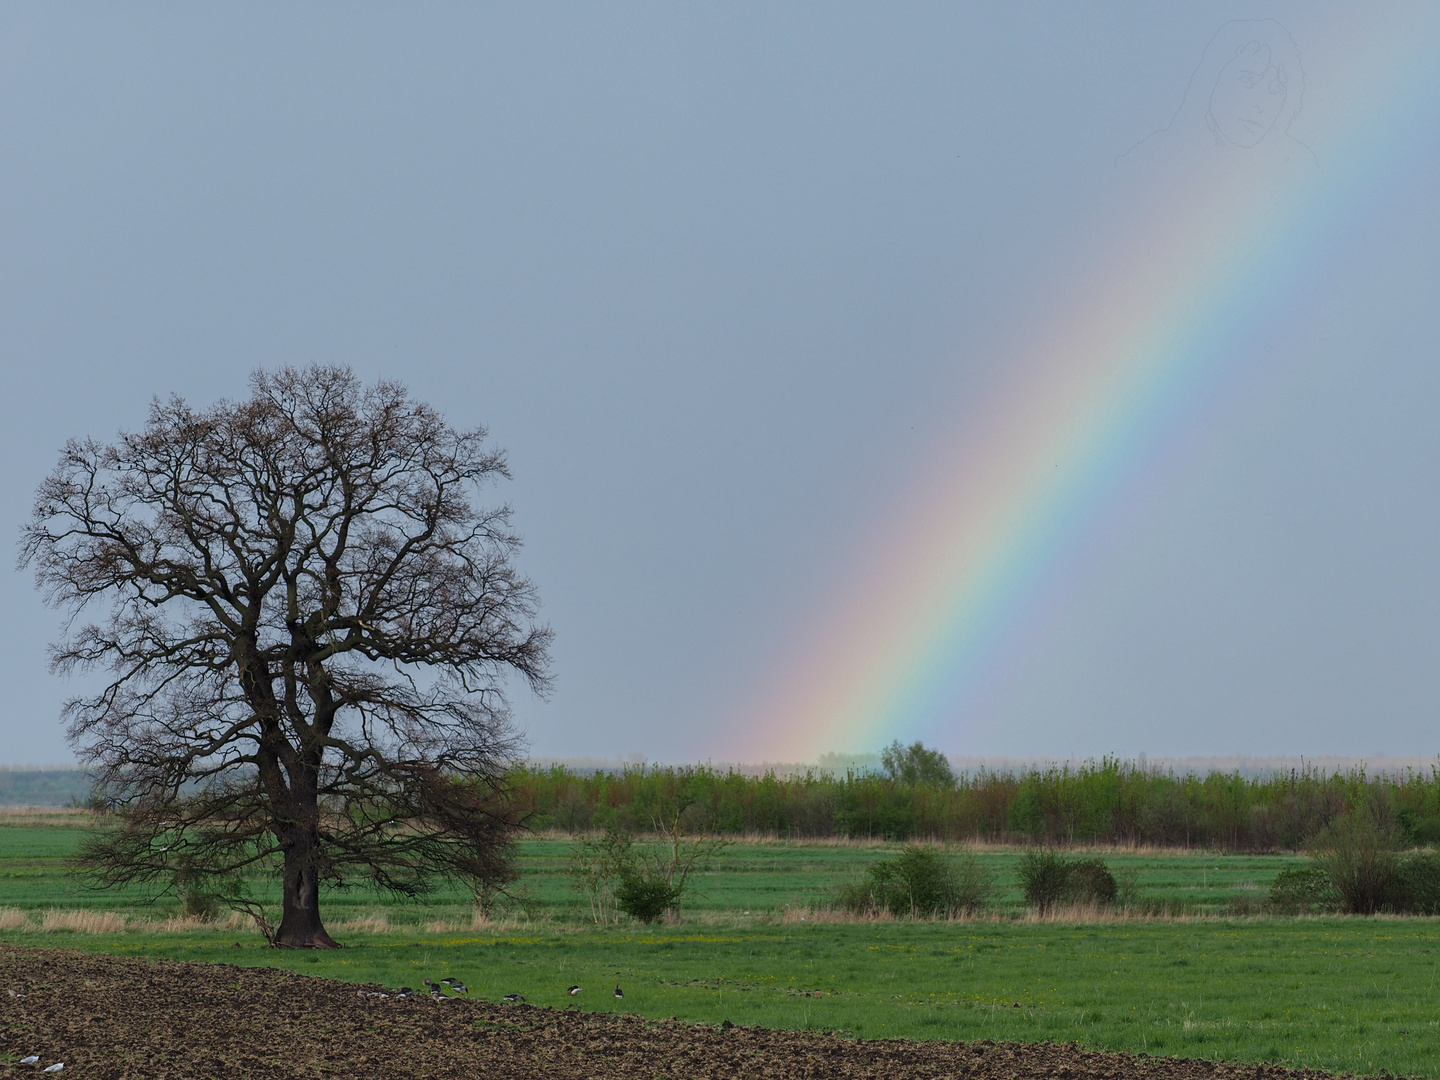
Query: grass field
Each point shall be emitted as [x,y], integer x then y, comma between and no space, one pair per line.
[762,877]
[1347,994]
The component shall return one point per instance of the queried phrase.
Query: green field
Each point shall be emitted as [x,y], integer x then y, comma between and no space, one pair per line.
[762,878]
[1348,994]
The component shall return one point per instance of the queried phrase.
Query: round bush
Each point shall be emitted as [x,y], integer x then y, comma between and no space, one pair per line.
[644,896]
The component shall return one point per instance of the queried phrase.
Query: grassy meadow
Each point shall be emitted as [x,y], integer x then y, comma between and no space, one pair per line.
[758,945]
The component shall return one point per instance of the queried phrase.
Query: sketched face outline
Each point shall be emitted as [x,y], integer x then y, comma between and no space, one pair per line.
[1249,96]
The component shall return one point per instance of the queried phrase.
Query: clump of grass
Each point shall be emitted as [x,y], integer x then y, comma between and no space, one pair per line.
[12,918]
[84,922]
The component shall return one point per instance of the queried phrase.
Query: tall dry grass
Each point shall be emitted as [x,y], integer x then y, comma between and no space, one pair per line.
[377,923]
[834,915]
[84,922]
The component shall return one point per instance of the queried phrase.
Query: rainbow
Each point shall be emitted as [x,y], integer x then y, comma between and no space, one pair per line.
[1121,373]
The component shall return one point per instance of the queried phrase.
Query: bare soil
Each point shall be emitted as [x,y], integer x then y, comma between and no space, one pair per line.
[118,1017]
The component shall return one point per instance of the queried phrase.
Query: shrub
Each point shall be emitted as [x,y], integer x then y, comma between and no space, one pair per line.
[197,892]
[1416,887]
[1358,856]
[1418,828]
[1092,883]
[598,867]
[195,904]
[1049,880]
[1045,879]
[858,896]
[1299,890]
[644,896]
[920,882]
[974,886]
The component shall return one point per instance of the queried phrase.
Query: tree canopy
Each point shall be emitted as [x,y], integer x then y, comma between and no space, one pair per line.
[917,764]
[307,624]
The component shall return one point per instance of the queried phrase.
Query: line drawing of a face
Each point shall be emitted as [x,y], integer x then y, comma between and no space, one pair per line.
[1242,97]
[1249,96]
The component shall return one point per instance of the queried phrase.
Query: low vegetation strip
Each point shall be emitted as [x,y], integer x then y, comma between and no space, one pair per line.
[116,1018]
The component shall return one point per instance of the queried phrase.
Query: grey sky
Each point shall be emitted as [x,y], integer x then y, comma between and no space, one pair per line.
[721,279]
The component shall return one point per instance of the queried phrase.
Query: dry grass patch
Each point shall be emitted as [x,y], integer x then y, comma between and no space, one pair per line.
[365,924]
[834,915]
[12,918]
[84,922]
[180,924]
[44,815]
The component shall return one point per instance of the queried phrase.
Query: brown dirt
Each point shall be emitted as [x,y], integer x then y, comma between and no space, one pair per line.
[113,1017]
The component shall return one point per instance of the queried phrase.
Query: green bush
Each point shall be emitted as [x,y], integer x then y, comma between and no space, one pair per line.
[645,896]
[1358,856]
[1416,888]
[921,882]
[1049,880]
[1044,879]
[200,905]
[1092,883]
[1302,890]
[973,886]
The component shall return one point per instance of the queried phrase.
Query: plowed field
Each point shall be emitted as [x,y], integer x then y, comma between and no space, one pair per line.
[112,1018]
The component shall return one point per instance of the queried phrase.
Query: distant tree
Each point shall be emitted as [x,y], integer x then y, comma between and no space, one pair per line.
[309,629]
[915,764]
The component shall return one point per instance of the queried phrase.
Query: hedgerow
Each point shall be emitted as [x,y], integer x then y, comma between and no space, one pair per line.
[1105,802]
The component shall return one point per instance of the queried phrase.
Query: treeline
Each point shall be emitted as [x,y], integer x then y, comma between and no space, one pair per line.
[43,787]
[1106,802]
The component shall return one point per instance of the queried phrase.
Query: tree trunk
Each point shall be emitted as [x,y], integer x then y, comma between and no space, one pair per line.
[300,925]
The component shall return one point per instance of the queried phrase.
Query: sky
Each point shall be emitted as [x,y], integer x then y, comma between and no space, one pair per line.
[852,388]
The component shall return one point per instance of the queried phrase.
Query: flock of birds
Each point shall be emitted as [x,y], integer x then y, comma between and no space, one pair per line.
[438,991]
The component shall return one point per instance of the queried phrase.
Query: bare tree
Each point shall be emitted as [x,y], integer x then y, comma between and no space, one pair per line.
[310,628]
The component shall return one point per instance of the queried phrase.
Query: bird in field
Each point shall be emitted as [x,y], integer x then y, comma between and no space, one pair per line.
[513,998]
[57,1067]
[31,1060]
[456,985]
[618,992]
[573,990]
[404,992]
